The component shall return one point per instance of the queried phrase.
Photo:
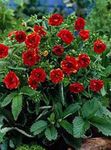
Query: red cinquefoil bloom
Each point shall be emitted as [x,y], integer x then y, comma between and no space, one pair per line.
[11,80]
[84,34]
[32,40]
[29,57]
[55,20]
[38,74]
[76,87]
[20,36]
[96,85]
[79,24]
[40,30]
[56,75]
[66,36]
[32,83]
[83,60]
[69,65]
[58,50]
[99,46]
[3,51]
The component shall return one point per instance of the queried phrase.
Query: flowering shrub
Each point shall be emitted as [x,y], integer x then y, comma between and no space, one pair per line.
[52,76]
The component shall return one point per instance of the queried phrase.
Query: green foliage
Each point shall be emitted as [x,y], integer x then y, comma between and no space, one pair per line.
[100,17]
[51,133]
[52,111]
[103,124]
[38,127]
[16,106]
[80,126]
[33,147]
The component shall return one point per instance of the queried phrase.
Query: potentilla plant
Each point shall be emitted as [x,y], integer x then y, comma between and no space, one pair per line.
[52,82]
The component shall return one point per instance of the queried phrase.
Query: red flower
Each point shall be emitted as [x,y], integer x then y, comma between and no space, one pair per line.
[58,50]
[29,57]
[3,51]
[99,46]
[40,30]
[56,75]
[32,40]
[76,87]
[20,36]
[69,65]
[32,83]
[83,60]
[84,34]
[96,85]
[38,74]
[66,36]
[79,24]
[55,20]
[11,80]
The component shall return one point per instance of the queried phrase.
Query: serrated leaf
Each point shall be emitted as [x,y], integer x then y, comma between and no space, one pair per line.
[8,99]
[67,126]
[51,133]
[27,91]
[90,108]
[16,106]
[80,126]
[38,127]
[71,109]
[102,123]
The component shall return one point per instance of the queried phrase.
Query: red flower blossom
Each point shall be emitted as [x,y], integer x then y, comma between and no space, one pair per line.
[84,34]
[20,36]
[32,40]
[11,80]
[58,50]
[66,36]
[69,65]
[76,87]
[83,60]
[99,46]
[55,20]
[29,57]
[56,75]
[40,30]
[38,74]
[3,51]
[32,83]
[96,85]
[79,24]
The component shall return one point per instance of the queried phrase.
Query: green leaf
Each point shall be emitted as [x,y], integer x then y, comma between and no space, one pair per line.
[51,133]
[67,126]
[102,123]
[27,91]
[71,109]
[38,127]
[90,108]
[107,71]
[103,91]
[1,136]
[16,106]
[80,126]
[8,99]
[58,110]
